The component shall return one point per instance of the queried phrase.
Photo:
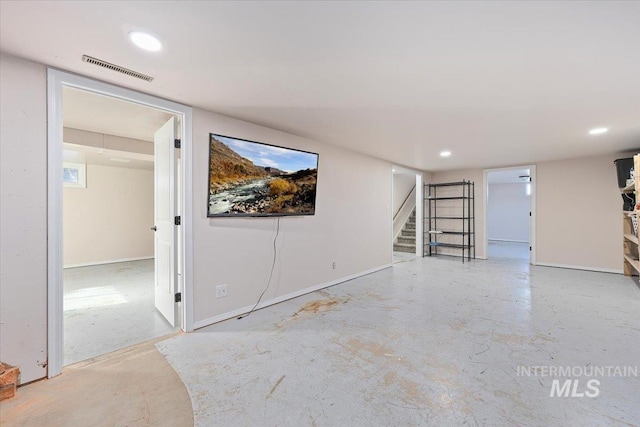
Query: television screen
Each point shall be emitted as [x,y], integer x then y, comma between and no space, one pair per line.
[249,178]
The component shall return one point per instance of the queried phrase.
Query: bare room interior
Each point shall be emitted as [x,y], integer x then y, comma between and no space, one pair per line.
[509,214]
[108,220]
[319,213]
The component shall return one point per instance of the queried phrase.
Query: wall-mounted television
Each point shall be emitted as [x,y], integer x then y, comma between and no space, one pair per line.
[248,178]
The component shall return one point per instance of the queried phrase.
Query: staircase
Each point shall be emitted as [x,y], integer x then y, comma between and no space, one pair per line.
[406,241]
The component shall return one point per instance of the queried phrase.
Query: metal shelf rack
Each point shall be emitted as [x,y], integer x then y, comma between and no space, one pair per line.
[449,219]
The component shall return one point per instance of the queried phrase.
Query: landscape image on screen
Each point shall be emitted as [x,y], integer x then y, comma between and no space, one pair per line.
[253,179]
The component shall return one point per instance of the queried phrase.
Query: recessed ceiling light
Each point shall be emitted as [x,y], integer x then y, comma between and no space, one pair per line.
[445,153]
[598,131]
[145,41]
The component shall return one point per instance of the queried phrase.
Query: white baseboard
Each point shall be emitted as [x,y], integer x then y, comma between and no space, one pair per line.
[235,313]
[507,240]
[88,264]
[578,267]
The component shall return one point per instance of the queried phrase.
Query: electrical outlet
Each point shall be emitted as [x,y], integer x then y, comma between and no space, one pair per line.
[221,291]
[333,265]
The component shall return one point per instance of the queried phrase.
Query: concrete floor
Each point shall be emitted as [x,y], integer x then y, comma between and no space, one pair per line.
[403,257]
[508,250]
[109,307]
[429,342]
[132,387]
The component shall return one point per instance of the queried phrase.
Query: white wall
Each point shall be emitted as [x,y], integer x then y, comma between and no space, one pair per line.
[578,219]
[23,218]
[508,207]
[578,212]
[109,220]
[350,227]
[475,175]
[402,186]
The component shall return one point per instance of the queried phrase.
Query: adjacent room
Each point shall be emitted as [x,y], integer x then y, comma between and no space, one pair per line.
[354,213]
[509,214]
[108,220]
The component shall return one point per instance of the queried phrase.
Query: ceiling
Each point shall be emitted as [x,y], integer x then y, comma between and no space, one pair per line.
[106,115]
[509,176]
[76,153]
[496,83]
[102,114]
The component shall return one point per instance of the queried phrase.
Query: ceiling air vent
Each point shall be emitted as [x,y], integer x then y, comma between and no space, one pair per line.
[114,67]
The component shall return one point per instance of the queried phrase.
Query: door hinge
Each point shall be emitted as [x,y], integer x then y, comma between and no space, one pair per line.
[176,220]
[529,213]
[178,297]
[529,247]
[176,143]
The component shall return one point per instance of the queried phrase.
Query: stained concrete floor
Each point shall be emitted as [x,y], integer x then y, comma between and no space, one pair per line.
[429,342]
[131,387]
[109,307]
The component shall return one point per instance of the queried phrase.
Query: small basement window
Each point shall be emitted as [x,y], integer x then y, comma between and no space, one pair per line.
[74,175]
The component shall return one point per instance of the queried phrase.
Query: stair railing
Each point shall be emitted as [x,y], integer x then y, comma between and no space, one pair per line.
[412,192]
[403,214]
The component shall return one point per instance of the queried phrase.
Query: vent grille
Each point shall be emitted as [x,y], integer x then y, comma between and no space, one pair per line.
[114,67]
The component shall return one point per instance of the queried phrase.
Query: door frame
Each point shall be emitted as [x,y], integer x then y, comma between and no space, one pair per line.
[56,80]
[485,198]
[419,206]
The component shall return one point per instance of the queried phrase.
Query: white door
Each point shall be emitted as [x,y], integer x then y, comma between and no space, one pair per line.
[165,210]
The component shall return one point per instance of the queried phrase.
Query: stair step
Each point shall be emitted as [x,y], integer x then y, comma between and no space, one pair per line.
[409,226]
[408,233]
[404,248]
[408,240]
[406,245]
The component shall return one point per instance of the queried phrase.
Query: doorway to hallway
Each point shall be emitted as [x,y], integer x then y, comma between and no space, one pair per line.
[406,203]
[509,213]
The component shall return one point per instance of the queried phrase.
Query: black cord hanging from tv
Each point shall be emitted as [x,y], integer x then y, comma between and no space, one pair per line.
[273,265]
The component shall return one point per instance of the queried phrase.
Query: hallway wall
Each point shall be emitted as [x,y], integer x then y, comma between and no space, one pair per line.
[350,226]
[402,186]
[508,207]
[23,223]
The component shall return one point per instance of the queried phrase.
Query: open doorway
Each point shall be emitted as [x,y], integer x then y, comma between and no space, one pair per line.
[108,207]
[406,214]
[509,219]
[73,151]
